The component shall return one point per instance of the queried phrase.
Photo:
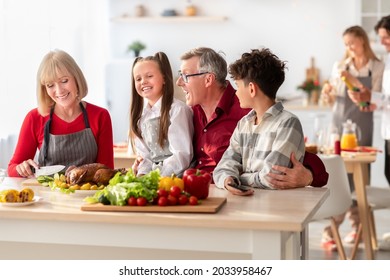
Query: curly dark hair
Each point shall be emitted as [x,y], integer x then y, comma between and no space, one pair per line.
[261,67]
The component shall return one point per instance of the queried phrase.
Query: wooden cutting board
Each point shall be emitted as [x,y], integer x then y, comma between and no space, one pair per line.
[312,73]
[209,205]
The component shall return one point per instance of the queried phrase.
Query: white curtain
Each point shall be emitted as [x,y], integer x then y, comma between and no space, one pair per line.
[28,30]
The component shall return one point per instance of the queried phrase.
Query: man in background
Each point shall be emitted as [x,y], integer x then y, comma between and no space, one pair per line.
[381,101]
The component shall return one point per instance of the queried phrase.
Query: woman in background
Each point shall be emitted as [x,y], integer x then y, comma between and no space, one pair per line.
[361,63]
[66,130]
[161,127]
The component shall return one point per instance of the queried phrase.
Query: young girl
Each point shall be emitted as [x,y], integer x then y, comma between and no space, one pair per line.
[161,127]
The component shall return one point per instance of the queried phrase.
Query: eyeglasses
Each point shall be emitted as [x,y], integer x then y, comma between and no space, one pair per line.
[186,76]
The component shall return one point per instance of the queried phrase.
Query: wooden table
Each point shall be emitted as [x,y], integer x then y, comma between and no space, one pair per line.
[358,166]
[267,225]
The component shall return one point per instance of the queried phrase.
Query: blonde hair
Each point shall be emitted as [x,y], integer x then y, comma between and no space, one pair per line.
[359,32]
[54,64]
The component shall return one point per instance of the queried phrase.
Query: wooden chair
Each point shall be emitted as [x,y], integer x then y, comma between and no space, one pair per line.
[378,198]
[339,199]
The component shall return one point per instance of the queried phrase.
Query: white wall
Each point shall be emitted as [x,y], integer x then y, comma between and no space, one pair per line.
[295,30]
[28,30]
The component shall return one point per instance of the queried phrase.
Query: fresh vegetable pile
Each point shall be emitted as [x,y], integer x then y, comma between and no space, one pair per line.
[149,189]
[122,187]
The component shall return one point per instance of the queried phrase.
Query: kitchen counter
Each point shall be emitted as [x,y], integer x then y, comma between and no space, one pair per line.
[267,225]
[123,159]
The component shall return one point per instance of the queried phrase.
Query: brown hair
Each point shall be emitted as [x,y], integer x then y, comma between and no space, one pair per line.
[137,102]
[53,64]
[384,22]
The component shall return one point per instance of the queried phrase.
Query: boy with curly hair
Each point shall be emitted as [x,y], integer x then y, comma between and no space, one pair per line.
[267,135]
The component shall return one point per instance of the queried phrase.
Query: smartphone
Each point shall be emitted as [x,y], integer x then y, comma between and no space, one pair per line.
[239,186]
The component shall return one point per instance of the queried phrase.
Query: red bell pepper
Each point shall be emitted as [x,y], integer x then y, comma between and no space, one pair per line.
[197,182]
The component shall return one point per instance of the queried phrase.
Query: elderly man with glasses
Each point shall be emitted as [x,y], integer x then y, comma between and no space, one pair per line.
[216,108]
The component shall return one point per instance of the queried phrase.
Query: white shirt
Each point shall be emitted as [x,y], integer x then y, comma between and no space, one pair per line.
[385,128]
[180,134]
[382,100]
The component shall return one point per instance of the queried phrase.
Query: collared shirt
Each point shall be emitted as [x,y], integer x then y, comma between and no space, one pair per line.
[385,101]
[211,138]
[255,148]
[176,156]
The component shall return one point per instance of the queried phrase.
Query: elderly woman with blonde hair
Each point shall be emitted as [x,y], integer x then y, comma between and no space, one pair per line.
[65,129]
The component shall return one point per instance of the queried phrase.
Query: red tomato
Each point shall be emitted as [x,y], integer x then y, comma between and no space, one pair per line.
[193,200]
[132,201]
[141,201]
[183,199]
[175,191]
[162,192]
[162,201]
[172,200]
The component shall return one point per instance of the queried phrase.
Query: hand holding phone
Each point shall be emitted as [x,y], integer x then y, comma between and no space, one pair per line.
[237,185]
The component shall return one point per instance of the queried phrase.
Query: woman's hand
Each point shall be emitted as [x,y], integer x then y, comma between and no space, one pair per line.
[24,168]
[363,95]
[326,93]
[370,108]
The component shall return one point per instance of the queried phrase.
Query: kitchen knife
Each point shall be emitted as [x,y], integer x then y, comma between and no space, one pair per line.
[48,170]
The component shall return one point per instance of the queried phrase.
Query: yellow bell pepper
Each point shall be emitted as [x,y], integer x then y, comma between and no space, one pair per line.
[167,182]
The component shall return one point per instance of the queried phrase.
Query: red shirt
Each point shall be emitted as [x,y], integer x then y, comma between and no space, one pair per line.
[212,138]
[31,135]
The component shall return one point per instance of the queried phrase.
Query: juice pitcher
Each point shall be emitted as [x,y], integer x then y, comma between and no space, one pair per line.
[349,139]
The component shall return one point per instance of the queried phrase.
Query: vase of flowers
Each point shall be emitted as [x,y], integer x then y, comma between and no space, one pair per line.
[312,88]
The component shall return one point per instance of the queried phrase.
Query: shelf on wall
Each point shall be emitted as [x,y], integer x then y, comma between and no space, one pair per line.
[169,19]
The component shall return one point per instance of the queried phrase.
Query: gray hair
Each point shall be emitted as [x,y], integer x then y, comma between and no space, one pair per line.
[209,61]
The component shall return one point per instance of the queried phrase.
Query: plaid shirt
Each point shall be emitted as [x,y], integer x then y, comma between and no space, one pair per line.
[254,149]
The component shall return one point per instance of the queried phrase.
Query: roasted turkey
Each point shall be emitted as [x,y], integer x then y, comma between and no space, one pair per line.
[93,172]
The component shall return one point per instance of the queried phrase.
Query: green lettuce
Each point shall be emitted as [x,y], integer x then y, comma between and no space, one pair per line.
[122,187]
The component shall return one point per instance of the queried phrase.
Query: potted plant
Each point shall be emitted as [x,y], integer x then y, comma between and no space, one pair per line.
[136,47]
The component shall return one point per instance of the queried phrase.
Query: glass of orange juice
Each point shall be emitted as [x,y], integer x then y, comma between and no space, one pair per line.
[348,141]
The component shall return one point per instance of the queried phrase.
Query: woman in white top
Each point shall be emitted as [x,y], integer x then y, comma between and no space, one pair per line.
[161,127]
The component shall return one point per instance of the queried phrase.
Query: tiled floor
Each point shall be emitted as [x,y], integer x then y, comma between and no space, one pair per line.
[382,220]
